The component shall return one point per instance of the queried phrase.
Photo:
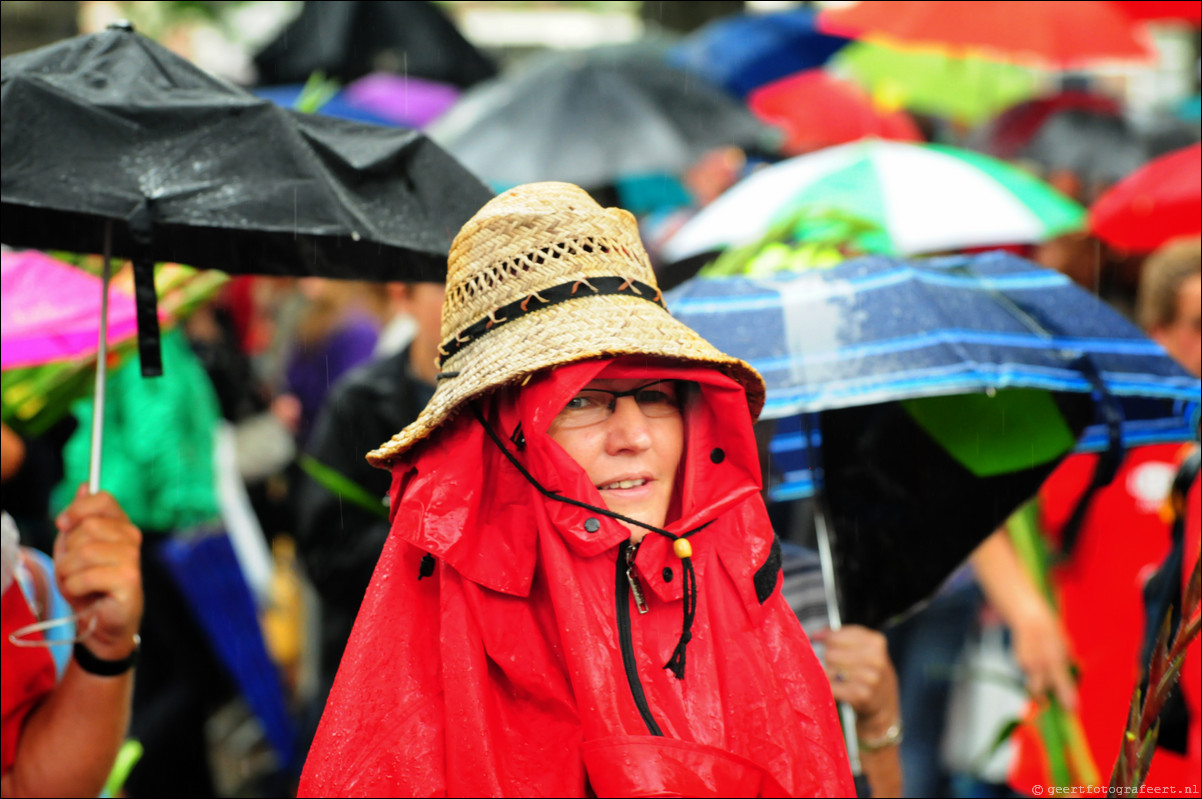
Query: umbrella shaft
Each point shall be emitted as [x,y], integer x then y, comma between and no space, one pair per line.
[847,713]
[101,364]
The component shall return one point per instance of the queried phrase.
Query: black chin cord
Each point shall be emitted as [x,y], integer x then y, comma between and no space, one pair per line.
[688,601]
[689,595]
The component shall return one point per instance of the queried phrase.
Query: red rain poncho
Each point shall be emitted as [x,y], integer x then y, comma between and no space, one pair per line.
[521,667]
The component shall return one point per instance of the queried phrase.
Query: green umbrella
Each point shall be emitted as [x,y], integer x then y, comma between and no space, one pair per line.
[969,90]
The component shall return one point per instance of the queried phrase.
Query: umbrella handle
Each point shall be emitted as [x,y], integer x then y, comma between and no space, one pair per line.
[102,347]
[847,714]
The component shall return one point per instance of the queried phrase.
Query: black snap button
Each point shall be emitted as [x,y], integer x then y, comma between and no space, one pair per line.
[592,525]
[668,575]
[717,455]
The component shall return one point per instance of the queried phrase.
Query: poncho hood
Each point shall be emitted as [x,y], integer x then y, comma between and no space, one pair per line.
[499,652]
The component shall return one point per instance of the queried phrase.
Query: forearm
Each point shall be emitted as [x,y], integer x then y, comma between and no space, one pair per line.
[1004,580]
[1040,644]
[69,742]
[883,771]
[881,763]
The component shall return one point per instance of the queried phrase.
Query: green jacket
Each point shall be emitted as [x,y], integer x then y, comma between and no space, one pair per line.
[158,442]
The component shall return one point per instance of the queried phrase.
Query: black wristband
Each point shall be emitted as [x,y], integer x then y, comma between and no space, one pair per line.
[106,668]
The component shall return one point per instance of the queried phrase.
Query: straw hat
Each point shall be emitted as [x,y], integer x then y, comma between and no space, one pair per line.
[543,276]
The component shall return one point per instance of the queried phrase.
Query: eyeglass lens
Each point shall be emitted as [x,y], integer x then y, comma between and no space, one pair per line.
[594,405]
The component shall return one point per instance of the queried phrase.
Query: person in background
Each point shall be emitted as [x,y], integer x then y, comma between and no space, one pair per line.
[61,739]
[339,541]
[861,674]
[159,465]
[337,331]
[1107,538]
[1169,304]
[1170,309]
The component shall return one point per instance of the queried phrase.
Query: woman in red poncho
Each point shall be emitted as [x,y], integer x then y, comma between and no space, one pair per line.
[580,592]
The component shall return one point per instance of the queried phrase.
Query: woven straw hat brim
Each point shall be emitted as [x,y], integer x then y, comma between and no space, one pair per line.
[576,330]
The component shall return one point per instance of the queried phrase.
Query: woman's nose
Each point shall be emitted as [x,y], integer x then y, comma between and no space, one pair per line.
[628,430]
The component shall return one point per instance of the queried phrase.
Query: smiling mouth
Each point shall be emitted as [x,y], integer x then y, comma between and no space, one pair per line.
[623,484]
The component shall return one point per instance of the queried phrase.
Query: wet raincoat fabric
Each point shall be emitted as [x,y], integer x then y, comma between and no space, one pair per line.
[518,665]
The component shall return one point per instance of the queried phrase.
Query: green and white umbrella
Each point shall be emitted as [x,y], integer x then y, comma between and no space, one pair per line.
[924,198]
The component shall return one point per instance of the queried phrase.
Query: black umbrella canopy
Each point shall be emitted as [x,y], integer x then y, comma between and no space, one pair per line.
[349,38]
[904,513]
[592,116]
[111,129]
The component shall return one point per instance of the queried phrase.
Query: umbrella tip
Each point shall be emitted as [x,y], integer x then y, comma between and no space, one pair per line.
[121,25]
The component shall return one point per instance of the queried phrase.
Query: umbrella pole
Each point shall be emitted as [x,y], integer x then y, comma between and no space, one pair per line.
[102,348]
[847,713]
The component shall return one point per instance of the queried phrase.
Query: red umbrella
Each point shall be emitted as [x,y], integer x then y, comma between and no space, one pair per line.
[1158,202]
[1062,33]
[1184,10]
[817,110]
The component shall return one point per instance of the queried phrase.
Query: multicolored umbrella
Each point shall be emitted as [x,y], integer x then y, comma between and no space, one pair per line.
[924,198]
[1061,33]
[1159,202]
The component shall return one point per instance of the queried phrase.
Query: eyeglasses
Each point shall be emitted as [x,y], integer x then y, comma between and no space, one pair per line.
[594,405]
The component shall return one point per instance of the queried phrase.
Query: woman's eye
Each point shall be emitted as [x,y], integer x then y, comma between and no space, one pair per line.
[581,402]
[654,396]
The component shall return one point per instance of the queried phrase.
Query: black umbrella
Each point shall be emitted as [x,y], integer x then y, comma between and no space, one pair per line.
[590,117]
[113,144]
[189,168]
[349,38]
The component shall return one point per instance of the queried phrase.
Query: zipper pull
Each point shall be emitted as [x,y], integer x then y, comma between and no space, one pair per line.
[636,588]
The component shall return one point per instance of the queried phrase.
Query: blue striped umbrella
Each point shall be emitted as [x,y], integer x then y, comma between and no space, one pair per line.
[910,351]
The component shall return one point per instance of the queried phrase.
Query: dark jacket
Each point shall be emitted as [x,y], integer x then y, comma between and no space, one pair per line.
[340,542]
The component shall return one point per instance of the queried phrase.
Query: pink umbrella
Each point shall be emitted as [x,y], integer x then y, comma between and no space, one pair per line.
[51,311]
